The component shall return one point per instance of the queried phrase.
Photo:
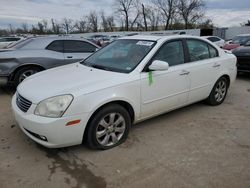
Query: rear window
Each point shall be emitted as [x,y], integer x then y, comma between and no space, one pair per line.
[200,50]
[20,43]
[56,46]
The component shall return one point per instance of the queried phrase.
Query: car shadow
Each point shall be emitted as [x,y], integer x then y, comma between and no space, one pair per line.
[243,76]
[9,90]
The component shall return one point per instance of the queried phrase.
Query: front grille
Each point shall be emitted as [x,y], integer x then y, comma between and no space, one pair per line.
[22,103]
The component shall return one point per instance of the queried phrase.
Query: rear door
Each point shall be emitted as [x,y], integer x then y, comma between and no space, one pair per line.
[204,67]
[53,55]
[76,50]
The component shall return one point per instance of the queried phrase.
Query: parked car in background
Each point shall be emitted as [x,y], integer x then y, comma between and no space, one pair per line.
[216,40]
[6,41]
[100,40]
[243,56]
[33,55]
[236,42]
[130,80]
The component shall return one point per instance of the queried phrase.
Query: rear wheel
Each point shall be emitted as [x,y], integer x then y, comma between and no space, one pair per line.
[219,92]
[24,73]
[109,127]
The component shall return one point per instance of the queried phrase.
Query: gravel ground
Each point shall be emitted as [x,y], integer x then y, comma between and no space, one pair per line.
[196,146]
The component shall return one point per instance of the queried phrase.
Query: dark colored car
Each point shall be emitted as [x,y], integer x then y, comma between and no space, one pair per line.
[243,56]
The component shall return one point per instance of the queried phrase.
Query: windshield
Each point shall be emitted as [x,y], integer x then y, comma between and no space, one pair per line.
[240,39]
[20,43]
[120,56]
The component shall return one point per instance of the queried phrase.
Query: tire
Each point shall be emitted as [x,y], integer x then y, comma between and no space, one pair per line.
[24,73]
[109,127]
[219,92]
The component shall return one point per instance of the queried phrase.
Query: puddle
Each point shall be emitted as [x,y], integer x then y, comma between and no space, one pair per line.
[69,163]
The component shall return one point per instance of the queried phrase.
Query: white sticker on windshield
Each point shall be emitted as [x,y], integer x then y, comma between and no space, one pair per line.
[145,43]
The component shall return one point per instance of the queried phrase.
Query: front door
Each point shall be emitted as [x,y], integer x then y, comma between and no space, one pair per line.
[168,89]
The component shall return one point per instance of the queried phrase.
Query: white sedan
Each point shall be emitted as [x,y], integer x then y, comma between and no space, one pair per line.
[134,78]
[216,40]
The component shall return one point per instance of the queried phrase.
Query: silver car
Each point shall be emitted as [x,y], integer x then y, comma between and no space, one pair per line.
[32,55]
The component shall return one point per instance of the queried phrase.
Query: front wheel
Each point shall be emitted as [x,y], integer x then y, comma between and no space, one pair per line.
[24,73]
[219,92]
[109,127]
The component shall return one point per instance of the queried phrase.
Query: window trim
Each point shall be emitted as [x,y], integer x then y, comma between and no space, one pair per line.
[207,44]
[146,67]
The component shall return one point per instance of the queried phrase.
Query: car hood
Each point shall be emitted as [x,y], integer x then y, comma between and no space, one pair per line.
[75,79]
[242,49]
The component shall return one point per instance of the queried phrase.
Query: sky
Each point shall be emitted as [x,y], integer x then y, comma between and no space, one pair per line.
[224,13]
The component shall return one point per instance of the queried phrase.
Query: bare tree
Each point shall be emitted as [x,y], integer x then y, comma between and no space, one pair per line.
[107,22]
[67,25]
[144,17]
[167,8]
[40,28]
[124,7]
[11,29]
[45,25]
[154,18]
[136,19]
[206,24]
[111,23]
[24,27]
[93,21]
[191,11]
[56,28]
[81,25]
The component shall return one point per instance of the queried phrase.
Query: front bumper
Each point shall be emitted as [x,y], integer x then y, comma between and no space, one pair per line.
[55,131]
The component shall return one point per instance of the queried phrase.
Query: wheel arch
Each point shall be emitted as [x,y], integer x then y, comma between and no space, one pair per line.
[122,103]
[23,66]
[227,77]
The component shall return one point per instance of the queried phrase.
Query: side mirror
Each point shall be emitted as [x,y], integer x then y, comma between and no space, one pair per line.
[158,65]
[96,49]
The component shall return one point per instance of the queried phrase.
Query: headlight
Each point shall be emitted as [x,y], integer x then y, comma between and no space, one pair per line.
[54,107]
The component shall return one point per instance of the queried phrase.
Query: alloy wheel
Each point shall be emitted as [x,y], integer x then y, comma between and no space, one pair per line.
[110,129]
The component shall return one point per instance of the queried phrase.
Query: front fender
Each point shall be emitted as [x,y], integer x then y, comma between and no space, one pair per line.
[89,103]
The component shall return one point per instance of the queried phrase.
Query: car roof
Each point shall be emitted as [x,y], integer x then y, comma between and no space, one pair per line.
[41,42]
[210,36]
[156,38]
[243,35]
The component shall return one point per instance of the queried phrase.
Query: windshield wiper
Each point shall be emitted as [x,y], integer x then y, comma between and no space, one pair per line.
[100,67]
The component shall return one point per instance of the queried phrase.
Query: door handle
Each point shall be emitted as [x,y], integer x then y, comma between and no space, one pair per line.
[184,72]
[216,65]
[69,57]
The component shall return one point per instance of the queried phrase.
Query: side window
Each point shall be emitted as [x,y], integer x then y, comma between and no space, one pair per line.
[56,46]
[3,40]
[171,52]
[12,39]
[213,52]
[71,46]
[198,50]
[213,39]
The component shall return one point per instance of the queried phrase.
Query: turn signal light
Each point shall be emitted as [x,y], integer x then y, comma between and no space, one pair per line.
[71,123]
